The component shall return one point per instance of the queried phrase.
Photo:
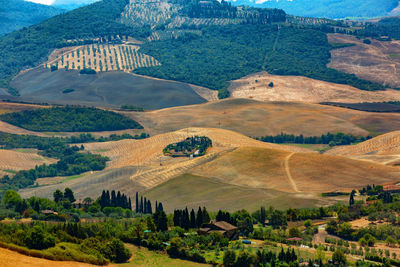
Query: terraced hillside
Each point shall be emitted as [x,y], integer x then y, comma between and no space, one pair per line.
[22,159]
[384,149]
[101,57]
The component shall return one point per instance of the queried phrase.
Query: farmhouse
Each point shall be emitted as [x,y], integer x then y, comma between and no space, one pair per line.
[226,229]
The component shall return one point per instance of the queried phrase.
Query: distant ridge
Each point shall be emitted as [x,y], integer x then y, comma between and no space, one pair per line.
[16,14]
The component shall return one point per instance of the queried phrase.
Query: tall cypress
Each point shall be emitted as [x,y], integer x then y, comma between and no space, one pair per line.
[145,206]
[156,207]
[160,206]
[206,217]
[113,199]
[149,209]
[137,203]
[186,219]
[141,205]
[108,202]
[199,219]
[130,204]
[192,219]
[118,201]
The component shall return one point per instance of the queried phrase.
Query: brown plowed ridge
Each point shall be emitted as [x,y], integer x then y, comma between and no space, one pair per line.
[15,161]
[303,89]
[378,61]
[308,172]
[10,258]
[147,152]
[384,149]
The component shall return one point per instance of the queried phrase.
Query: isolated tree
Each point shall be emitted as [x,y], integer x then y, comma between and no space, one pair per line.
[69,195]
[58,195]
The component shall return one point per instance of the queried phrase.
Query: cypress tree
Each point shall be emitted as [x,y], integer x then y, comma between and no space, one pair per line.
[113,199]
[199,219]
[130,204]
[192,219]
[206,217]
[186,219]
[149,209]
[156,207]
[145,211]
[108,199]
[141,205]
[118,201]
[160,206]
[137,203]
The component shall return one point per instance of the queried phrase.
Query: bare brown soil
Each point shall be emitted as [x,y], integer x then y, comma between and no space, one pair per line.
[10,258]
[302,89]
[378,62]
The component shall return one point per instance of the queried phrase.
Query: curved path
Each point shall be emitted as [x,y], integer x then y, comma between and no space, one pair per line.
[288,174]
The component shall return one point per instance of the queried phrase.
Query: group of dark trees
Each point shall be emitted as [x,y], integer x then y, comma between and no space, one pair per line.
[387,27]
[183,219]
[143,205]
[331,139]
[115,199]
[189,146]
[70,119]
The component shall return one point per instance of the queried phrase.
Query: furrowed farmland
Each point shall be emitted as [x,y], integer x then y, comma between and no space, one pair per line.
[101,57]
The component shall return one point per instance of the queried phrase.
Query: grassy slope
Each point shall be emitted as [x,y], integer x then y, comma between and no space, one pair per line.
[194,191]
[142,257]
[41,85]
[254,118]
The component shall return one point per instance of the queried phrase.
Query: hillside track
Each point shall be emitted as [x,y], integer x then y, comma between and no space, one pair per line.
[288,174]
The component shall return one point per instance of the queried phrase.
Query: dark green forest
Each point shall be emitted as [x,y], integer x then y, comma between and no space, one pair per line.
[70,119]
[226,53]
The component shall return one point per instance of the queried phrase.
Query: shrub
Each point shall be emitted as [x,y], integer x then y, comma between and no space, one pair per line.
[229,258]
[116,252]
[37,238]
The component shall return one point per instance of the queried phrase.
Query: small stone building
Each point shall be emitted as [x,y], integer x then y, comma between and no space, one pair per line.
[226,229]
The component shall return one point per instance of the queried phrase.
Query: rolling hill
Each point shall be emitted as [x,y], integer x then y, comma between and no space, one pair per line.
[328,8]
[16,14]
[256,118]
[235,166]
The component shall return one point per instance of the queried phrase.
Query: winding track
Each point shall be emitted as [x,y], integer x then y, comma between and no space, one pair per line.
[289,175]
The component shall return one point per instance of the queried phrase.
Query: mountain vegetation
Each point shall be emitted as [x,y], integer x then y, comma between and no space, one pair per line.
[221,54]
[70,119]
[195,146]
[328,8]
[27,47]
[16,14]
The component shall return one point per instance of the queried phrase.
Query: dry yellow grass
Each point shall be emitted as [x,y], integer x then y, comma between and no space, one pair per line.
[10,258]
[101,57]
[256,118]
[302,89]
[14,161]
[300,173]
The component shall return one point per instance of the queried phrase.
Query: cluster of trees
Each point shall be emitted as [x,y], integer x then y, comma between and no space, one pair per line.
[331,139]
[221,54]
[26,47]
[189,146]
[183,219]
[388,27]
[114,200]
[70,119]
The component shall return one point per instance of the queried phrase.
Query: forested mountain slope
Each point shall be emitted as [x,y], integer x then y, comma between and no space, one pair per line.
[16,14]
[328,8]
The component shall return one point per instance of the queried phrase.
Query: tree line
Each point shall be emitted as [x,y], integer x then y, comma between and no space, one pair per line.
[337,139]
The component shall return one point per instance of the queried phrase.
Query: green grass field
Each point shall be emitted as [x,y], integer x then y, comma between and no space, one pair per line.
[142,257]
